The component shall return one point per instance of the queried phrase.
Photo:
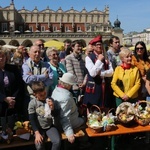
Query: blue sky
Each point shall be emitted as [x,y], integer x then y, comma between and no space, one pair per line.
[133,14]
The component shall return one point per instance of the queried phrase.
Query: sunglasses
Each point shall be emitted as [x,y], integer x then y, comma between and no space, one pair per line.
[139,48]
[55,54]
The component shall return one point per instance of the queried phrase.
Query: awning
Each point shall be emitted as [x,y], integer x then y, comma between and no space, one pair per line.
[52,43]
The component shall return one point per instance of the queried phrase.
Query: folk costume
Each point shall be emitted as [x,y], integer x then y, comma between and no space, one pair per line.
[94,92]
[97,87]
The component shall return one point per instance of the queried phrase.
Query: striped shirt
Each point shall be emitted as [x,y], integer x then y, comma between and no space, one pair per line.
[76,66]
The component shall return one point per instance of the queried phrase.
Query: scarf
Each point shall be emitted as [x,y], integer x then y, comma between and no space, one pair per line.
[125,66]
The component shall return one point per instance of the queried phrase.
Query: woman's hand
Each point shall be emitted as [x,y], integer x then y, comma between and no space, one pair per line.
[10,101]
[144,78]
[125,97]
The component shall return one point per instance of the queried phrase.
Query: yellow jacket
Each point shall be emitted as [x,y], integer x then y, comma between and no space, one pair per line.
[130,81]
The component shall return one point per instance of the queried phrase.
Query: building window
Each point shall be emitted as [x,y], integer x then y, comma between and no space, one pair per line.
[31,28]
[42,28]
[4,27]
[67,29]
[21,29]
[88,28]
[105,29]
[79,29]
[54,28]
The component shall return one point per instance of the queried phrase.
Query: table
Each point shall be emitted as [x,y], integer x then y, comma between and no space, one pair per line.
[120,129]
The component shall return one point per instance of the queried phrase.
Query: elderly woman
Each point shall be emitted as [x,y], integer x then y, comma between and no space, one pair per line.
[126,79]
[57,67]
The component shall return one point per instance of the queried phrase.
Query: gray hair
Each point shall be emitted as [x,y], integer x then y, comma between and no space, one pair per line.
[50,50]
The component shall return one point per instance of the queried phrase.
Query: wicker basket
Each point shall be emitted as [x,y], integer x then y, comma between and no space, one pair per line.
[110,127]
[142,116]
[96,111]
[94,116]
[108,121]
[96,129]
[126,114]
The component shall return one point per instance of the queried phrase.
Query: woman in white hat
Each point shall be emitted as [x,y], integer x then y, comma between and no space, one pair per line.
[68,111]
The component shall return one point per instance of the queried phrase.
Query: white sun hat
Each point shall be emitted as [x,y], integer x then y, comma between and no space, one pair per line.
[68,78]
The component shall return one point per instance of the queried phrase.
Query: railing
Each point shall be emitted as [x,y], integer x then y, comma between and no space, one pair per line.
[52,35]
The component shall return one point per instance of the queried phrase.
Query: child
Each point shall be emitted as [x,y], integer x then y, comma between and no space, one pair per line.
[39,111]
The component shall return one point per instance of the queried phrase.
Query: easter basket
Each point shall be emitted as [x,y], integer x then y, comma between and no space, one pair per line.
[94,118]
[108,121]
[142,115]
[125,113]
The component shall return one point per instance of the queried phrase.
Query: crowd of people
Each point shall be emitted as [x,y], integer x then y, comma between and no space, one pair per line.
[45,86]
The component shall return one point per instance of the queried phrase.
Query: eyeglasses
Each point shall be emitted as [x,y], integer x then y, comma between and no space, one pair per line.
[139,48]
[55,54]
[41,45]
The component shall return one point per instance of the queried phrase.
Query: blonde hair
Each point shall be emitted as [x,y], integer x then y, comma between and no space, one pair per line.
[50,50]
[124,52]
